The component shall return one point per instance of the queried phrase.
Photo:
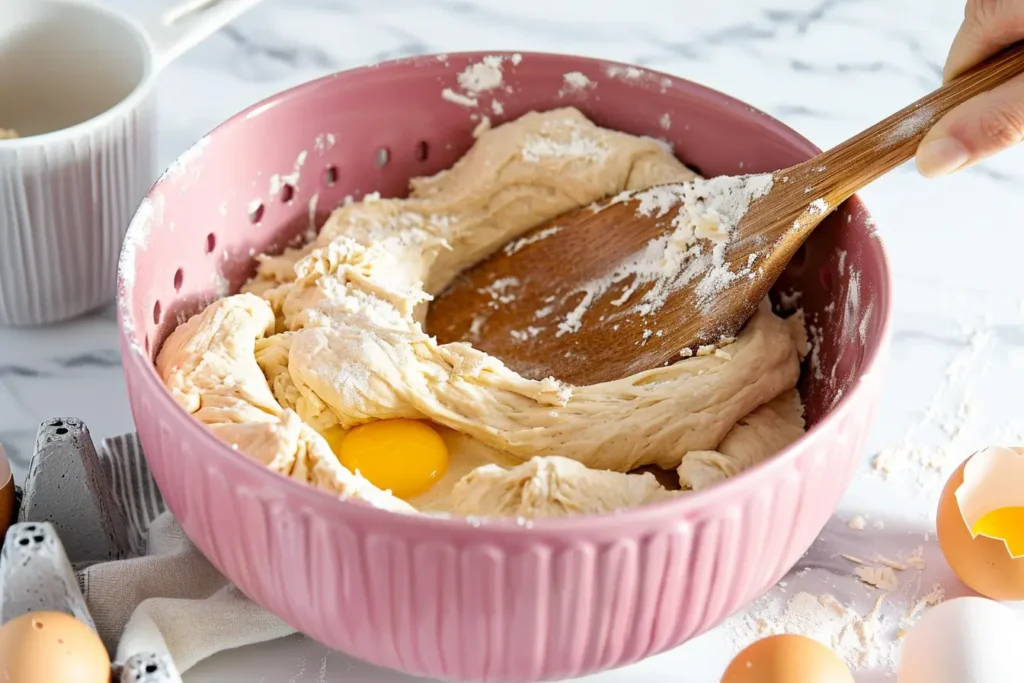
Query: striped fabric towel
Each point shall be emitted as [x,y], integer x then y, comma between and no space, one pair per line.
[167,599]
[133,486]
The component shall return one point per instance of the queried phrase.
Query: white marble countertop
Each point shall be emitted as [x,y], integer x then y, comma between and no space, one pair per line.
[828,68]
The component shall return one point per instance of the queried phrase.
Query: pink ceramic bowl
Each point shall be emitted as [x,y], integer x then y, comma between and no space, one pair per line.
[493,601]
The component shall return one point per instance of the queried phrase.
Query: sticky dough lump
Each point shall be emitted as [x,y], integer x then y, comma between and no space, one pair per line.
[330,336]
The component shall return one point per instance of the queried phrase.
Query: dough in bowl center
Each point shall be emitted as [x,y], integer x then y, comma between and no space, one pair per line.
[321,370]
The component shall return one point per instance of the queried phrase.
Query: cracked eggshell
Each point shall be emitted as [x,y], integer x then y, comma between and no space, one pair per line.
[966,640]
[7,511]
[989,480]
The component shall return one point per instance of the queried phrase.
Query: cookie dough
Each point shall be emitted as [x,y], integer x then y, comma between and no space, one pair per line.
[6,134]
[328,337]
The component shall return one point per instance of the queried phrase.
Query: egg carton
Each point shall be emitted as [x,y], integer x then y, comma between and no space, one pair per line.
[68,518]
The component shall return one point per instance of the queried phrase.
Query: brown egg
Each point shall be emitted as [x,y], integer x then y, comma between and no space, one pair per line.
[7,511]
[787,659]
[983,563]
[51,647]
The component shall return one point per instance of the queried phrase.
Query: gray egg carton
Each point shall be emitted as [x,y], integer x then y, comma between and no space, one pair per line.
[68,518]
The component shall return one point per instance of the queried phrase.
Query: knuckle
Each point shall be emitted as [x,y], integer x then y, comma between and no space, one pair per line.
[986,12]
[1002,126]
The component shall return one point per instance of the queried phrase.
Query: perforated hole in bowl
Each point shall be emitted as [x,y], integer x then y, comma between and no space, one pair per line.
[380,159]
[330,175]
[211,243]
[422,150]
[256,212]
[157,313]
[179,279]
[287,192]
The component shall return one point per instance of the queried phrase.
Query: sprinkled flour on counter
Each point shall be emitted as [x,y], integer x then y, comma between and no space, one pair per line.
[882,578]
[858,639]
[950,427]
[704,210]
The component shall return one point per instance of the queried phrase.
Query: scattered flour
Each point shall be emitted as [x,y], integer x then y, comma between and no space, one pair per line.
[498,291]
[860,640]
[628,73]
[665,121]
[946,431]
[701,211]
[818,206]
[278,180]
[458,98]
[575,81]
[936,595]
[482,127]
[916,123]
[916,559]
[324,142]
[311,226]
[578,146]
[865,322]
[883,577]
[816,338]
[482,77]
[515,245]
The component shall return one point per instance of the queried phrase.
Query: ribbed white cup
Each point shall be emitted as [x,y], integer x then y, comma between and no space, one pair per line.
[77,82]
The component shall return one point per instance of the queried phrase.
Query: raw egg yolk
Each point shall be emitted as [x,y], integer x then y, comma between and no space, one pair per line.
[1006,524]
[405,456]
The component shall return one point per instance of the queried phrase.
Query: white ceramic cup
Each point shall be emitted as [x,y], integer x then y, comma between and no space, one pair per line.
[77,85]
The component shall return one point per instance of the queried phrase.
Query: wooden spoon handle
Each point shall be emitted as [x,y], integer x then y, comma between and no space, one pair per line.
[887,144]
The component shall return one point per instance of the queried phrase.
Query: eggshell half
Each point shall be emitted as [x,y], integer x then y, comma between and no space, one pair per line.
[787,659]
[983,563]
[7,511]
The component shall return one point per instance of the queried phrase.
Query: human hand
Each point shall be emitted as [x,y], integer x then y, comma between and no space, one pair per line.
[992,121]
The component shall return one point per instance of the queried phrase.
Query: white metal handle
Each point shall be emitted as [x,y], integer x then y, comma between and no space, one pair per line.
[187,23]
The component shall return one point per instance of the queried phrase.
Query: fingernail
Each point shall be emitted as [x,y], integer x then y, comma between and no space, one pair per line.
[940,157]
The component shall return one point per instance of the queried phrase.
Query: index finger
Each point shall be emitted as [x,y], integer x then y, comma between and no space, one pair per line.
[988,26]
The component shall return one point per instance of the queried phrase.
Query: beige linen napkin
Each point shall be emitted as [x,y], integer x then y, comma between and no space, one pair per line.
[168,599]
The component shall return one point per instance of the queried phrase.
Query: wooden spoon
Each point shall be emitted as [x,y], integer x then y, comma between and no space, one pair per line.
[522,304]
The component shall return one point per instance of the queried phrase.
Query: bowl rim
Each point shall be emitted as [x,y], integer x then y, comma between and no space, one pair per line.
[682,508]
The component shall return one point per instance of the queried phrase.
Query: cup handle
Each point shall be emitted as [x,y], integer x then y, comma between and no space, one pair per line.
[182,26]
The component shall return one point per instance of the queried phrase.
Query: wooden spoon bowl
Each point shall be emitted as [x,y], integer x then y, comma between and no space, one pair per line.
[572,298]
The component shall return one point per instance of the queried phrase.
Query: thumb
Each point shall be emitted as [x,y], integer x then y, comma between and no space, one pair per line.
[976,129]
